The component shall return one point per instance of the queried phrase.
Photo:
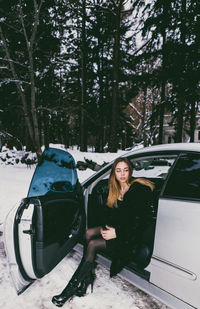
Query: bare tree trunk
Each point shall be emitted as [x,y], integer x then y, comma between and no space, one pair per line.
[162,112]
[152,123]
[113,144]
[163,84]
[192,121]
[30,44]
[100,107]
[30,114]
[193,96]
[83,139]
[144,117]
[20,89]
[181,88]
[181,100]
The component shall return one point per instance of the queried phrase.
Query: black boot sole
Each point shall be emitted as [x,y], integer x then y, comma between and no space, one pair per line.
[61,303]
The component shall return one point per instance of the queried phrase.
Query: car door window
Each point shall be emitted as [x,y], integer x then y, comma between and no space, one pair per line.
[152,167]
[184,182]
[55,173]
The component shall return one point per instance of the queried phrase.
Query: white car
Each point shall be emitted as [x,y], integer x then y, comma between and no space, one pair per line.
[51,220]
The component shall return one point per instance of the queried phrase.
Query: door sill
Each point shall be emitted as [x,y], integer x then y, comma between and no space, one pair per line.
[106,262]
[134,277]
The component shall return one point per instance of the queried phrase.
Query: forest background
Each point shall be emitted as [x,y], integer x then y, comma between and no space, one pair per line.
[70,70]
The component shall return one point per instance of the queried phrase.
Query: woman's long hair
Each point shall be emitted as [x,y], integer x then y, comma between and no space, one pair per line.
[114,185]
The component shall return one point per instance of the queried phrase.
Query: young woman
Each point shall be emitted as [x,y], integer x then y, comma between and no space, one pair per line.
[125,216]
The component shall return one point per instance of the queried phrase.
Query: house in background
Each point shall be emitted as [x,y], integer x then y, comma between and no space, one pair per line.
[169,130]
[145,129]
[10,141]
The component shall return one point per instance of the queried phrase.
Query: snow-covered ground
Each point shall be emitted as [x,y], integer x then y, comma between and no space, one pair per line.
[112,293]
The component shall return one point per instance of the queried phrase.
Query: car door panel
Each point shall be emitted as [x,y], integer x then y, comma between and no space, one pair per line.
[57,225]
[175,262]
[23,237]
[46,231]
[47,226]
[20,279]
[174,265]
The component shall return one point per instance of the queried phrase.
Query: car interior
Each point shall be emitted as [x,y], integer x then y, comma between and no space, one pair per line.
[61,193]
[141,252]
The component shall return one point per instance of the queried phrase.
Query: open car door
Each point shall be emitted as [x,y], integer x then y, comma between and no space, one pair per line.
[48,223]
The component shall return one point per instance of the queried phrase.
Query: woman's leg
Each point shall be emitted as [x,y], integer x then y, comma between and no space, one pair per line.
[94,243]
[83,276]
[92,233]
[94,246]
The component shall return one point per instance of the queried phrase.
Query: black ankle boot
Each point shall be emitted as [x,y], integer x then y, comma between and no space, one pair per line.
[70,290]
[82,289]
[66,294]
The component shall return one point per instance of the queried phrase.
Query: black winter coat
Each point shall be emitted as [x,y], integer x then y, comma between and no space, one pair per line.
[129,219]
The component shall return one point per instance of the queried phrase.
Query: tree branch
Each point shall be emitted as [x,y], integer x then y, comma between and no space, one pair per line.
[113,2]
[14,81]
[135,109]
[23,25]
[103,9]
[36,21]
[147,42]
[128,11]
[11,27]
[10,60]
[19,88]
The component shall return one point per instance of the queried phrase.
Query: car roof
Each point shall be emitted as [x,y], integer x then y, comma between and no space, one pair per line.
[165,147]
[157,148]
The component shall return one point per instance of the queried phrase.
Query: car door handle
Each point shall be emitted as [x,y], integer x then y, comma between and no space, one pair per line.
[30,232]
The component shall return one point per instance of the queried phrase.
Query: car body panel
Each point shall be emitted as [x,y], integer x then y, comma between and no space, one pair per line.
[24,243]
[167,148]
[174,265]
[176,251]
[19,281]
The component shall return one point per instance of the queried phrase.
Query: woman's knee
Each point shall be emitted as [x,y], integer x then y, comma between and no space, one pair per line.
[92,233]
[88,235]
[92,244]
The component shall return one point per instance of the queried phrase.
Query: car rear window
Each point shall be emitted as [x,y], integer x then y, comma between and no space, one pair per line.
[184,181]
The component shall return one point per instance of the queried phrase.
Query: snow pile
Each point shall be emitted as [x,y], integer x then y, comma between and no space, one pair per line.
[99,158]
[83,160]
[12,157]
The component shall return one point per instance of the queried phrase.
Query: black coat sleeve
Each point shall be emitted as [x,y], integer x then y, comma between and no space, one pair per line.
[135,212]
[106,215]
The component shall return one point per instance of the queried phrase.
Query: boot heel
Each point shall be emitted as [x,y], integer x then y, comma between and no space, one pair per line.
[82,289]
[92,285]
[81,274]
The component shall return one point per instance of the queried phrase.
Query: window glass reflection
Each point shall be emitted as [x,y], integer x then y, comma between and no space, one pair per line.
[185,179]
[153,167]
[55,173]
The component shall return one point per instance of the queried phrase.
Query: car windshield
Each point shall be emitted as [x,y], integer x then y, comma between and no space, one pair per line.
[55,173]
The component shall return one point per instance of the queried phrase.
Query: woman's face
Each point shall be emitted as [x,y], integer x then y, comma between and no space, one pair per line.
[122,172]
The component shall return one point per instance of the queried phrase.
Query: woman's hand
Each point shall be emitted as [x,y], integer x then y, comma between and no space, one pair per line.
[109,233]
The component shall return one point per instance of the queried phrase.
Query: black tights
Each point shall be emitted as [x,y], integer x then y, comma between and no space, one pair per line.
[94,243]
